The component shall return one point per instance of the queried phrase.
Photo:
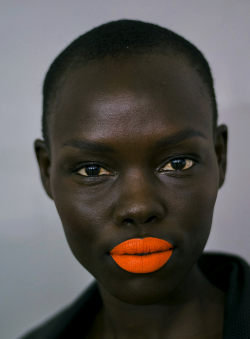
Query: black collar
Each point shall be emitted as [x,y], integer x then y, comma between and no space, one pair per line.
[227,272]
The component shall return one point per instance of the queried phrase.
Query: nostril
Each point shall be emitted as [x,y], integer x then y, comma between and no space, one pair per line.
[132,221]
[151,218]
[128,221]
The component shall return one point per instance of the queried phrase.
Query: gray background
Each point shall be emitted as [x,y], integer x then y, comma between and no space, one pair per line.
[38,272]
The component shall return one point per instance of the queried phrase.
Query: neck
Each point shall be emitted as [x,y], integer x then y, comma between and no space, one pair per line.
[188,310]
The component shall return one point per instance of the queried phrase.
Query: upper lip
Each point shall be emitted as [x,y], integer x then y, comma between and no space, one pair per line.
[140,246]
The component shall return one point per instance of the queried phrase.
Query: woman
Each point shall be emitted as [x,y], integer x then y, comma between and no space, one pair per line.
[133,158]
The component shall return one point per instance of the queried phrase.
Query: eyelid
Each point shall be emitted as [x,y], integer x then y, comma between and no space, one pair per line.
[194,159]
[82,166]
[98,175]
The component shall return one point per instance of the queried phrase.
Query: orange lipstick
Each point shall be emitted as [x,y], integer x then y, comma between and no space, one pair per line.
[142,255]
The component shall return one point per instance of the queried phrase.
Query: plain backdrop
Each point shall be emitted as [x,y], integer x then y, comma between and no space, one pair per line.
[39,275]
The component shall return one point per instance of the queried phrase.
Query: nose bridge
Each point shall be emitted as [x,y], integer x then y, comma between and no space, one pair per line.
[138,201]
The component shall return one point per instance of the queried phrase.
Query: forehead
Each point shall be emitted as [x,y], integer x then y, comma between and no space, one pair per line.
[139,95]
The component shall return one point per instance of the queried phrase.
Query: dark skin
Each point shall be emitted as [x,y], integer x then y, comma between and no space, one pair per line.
[131,118]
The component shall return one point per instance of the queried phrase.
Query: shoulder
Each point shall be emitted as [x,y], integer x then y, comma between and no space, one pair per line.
[223,269]
[231,274]
[59,324]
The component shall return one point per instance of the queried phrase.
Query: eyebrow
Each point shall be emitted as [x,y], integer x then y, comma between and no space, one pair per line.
[88,145]
[179,137]
[171,140]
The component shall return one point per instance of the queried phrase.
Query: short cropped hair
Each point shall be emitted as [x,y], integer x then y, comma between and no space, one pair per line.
[115,39]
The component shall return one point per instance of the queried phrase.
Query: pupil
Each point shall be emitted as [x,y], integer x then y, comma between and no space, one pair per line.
[92,170]
[178,164]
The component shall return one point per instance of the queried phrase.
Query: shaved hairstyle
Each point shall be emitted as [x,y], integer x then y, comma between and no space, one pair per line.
[122,38]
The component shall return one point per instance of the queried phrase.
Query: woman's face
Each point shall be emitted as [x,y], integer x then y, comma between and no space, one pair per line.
[119,130]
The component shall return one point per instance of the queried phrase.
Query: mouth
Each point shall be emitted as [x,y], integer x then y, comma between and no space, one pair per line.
[142,255]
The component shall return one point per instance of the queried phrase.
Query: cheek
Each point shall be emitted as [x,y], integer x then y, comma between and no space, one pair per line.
[81,208]
[194,211]
[84,216]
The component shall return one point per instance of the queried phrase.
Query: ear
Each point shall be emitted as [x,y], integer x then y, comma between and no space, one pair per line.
[220,146]
[44,162]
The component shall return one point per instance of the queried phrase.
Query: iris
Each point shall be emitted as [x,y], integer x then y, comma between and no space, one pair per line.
[178,164]
[92,170]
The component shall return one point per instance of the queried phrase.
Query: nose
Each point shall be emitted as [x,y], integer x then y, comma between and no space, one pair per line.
[139,201]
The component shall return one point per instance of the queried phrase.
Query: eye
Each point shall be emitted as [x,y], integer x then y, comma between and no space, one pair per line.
[178,164]
[93,171]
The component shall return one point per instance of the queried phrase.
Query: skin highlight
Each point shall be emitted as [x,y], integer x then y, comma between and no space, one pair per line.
[131,118]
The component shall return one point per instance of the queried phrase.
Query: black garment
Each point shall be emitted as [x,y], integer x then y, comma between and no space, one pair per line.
[229,273]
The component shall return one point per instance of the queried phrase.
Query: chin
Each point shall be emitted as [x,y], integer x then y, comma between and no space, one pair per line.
[142,299]
[140,290]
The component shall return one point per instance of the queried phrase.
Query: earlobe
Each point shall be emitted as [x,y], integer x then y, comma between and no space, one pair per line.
[44,162]
[220,146]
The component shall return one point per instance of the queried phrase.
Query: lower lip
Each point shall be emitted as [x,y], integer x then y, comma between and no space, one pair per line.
[142,263]
[142,255]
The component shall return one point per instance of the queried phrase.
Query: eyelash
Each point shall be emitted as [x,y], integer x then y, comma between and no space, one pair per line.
[194,159]
[175,171]
[77,168]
